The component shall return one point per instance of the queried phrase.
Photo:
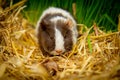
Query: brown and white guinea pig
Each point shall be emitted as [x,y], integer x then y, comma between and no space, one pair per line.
[56,31]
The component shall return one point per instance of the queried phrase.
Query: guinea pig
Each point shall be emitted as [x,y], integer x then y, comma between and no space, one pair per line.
[56,31]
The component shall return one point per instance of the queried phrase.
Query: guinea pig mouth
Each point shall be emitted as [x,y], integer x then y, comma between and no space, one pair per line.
[56,52]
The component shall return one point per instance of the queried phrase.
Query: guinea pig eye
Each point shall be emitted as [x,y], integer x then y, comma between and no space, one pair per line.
[66,33]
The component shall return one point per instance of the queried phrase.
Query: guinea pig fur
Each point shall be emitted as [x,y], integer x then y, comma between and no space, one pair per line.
[56,31]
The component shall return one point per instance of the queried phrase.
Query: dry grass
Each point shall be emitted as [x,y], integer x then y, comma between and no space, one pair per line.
[96,55]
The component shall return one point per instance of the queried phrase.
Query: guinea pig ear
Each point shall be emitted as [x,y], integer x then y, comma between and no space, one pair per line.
[44,22]
[69,23]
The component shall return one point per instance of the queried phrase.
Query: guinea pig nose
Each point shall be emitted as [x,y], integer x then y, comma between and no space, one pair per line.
[58,51]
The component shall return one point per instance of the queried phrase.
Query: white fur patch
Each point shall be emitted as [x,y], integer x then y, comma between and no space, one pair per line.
[55,19]
[59,40]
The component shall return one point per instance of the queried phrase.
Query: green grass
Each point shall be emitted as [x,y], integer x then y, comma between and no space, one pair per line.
[89,44]
[103,12]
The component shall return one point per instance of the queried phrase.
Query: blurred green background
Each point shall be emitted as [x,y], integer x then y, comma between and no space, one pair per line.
[103,12]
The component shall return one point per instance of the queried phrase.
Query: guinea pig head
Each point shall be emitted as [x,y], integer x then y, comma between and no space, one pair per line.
[55,38]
